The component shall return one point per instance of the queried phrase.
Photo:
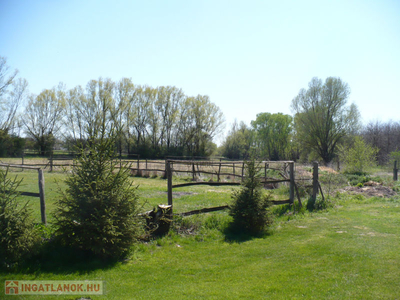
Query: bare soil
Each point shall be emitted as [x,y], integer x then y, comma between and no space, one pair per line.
[371,191]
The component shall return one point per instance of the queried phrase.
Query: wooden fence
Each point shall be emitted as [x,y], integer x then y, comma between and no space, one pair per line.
[289,178]
[41,193]
[232,169]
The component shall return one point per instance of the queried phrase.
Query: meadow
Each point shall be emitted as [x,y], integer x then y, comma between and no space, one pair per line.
[349,251]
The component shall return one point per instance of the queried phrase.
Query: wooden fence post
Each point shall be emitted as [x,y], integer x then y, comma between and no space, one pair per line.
[234,173]
[265,172]
[138,164]
[242,171]
[169,177]
[42,198]
[315,181]
[51,161]
[23,152]
[291,187]
[219,169]
[395,171]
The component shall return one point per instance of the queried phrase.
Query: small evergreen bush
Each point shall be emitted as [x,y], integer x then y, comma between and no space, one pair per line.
[97,212]
[250,205]
[17,233]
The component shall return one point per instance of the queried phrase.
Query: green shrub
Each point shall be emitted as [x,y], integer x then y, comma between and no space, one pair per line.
[357,178]
[250,205]
[97,212]
[377,179]
[358,158]
[319,204]
[394,156]
[322,204]
[17,233]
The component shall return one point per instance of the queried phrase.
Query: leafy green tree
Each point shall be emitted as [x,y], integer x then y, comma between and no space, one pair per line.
[17,233]
[238,143]
[359,157]
[10,145]
[273,135]
[250,205]
[394,156]
[322,117]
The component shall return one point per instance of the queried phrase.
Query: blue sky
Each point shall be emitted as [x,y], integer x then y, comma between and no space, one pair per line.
[248,56]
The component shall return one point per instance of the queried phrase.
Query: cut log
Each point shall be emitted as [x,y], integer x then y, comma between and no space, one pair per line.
[159,219]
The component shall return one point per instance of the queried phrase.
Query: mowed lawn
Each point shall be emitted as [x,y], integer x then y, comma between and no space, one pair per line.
[351,251]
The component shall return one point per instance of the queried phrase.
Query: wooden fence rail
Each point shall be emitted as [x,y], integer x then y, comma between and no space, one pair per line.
[170,170]
[41,184]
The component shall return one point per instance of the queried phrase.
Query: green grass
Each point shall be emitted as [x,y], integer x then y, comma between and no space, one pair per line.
[349,252]
[151,192]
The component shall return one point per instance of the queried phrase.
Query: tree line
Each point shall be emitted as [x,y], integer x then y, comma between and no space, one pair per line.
[323,125]
[151,122]
[163,121]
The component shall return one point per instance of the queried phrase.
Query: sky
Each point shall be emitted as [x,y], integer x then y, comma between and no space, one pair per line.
[248,56]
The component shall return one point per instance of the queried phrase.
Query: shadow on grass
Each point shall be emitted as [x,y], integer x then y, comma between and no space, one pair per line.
[57,259]
[236,235]
[288,210]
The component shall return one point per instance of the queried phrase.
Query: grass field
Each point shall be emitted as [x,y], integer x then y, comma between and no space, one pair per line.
[351,251]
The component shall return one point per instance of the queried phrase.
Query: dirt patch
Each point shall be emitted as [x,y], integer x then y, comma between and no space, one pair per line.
[371,191]
[372,183]
[327,169]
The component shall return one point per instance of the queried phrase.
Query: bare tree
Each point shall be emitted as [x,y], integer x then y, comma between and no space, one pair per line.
[6,79]
[12,93]
[43,116]
[200,120]
[72,121]
[124,91]
[383,136]
[168,102]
